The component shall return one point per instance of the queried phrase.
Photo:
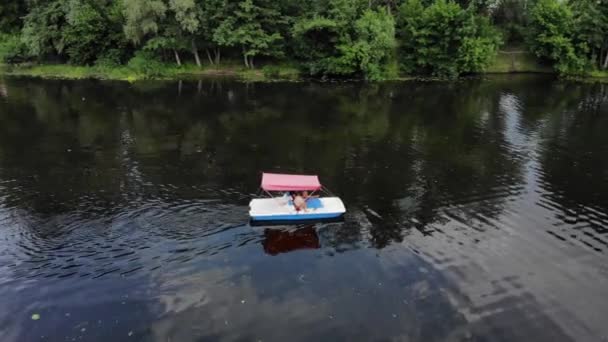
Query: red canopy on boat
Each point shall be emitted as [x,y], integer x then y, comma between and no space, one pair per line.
[281,182]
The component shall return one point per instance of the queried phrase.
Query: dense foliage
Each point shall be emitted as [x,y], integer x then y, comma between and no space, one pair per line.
[444,39]
[553,36]
[345,38]
[372,39]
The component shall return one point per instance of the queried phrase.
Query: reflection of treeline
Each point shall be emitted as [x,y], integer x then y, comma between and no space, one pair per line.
[384,146]
[373,39]
[574,148]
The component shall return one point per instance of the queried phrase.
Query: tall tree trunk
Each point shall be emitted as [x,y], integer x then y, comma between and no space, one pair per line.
[251,63]
[245,58]
[197,58]
[209,56]
[217,55]
[177,59]
[606,61]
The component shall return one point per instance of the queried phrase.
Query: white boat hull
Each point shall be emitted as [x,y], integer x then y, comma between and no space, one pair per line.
[280,209]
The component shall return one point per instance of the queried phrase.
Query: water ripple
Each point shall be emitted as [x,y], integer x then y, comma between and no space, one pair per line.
[123,244]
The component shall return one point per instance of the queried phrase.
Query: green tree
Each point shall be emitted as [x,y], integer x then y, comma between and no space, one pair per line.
[409,23]
[444,39]
[187,20]
[43,27]
[480,41]
[552,34]
[93,31]
[316,41]
[375,32]
[439,39]
[12,49]
[148,22]
[211,15]
[143,18]
[344,39]
[254,29]
[591,25]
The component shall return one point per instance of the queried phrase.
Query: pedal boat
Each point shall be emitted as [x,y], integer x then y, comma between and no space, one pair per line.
[277,206]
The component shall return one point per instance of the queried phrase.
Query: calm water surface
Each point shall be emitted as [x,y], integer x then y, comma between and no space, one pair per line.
[477,211]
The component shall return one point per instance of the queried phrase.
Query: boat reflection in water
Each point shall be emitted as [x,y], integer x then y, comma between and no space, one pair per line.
[278,241]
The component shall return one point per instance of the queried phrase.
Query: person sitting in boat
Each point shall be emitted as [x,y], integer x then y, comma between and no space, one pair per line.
[291,195]
[299,201]
[307,196]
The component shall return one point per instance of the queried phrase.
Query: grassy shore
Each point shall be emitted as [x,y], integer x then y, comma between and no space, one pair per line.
[125,73]
[268,73]
[599,75]
[506,62]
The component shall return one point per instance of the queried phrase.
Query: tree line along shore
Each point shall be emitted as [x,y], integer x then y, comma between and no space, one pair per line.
[290,39]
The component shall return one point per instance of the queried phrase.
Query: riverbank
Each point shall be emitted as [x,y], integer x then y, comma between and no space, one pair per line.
[505,62]
[126,73]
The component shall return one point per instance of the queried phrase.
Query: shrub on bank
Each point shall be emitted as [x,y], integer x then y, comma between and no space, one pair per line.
[12,49]
[345,40]
[147,64]
[444,40]
[552,37]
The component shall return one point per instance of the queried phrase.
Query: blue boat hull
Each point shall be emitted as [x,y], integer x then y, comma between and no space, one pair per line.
[297,217]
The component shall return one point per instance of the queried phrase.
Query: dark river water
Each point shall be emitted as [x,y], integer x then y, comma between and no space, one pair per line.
[477,211]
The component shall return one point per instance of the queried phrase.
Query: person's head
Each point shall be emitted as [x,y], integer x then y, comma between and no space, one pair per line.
[305,193]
